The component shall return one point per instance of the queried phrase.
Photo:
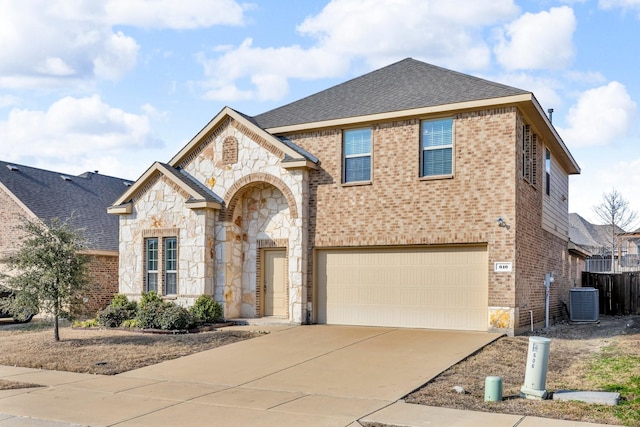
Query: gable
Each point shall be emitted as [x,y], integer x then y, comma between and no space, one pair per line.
[290,155]
[196,195]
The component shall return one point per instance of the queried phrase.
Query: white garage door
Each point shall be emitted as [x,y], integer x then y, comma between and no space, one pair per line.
[440,288]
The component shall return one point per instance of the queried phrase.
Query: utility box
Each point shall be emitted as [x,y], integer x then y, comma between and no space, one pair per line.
[493,389]
[536,373]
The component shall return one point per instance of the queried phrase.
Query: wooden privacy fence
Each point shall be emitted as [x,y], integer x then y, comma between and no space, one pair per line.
[619,293]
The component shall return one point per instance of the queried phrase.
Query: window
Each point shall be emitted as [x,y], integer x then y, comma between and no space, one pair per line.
[437,147]
[152,265]
[170,265]
[547,171]
[529,155]
[357,155]
[161,265]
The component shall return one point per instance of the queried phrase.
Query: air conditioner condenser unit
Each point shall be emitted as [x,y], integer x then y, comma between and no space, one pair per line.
[584,305]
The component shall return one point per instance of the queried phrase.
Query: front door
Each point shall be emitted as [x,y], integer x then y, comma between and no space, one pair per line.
[275,282]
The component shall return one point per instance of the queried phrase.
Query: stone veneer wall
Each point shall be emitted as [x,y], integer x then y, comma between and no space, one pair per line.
[267,202]
[400,208]
[160,212]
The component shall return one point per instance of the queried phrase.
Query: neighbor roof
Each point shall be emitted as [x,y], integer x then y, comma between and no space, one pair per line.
[405,85]
[84,199]
[588,235]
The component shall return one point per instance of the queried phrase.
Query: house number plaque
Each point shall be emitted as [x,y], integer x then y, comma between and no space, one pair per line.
[502,267]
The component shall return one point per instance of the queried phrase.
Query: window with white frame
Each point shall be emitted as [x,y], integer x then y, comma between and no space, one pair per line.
[151,267]
[357,155]
[170,265]
[436,157]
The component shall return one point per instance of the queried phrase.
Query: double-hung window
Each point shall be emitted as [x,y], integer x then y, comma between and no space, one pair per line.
[170,265]
[357,155]
[436,156]
[151,249]
[161,265]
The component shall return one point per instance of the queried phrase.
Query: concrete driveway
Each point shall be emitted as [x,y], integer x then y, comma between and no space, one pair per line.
[308,375]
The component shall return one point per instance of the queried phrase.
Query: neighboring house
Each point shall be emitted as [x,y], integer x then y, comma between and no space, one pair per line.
[412,196]
[597,240]
[31,193]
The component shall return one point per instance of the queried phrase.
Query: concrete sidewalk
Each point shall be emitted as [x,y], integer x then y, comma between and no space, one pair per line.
[311,375]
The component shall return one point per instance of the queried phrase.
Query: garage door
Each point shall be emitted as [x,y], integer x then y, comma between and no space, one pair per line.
[440,288]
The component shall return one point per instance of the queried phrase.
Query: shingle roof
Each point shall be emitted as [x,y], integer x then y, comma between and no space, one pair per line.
[591,236]
[405,85]
[205,193]
[82,198]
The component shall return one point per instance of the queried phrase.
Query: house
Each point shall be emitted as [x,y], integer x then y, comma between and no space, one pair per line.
[30,193]
[411,196]
[600,242]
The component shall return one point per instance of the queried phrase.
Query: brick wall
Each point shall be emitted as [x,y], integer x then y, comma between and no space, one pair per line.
[400,208]
[103,284]
[539,252]
[11,215]
[103,268]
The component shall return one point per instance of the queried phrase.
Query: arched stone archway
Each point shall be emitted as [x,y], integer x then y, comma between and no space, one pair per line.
[235,192]
[261,217]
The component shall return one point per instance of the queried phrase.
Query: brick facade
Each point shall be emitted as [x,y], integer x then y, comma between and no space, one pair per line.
[399,208]
[103,284]
[103,268]
[268,205]
[11,217]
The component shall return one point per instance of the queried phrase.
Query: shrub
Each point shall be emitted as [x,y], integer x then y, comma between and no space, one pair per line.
[130,324]
[206,310]
[150,298]
[173,317]
[118,310]
[120,300]
[89,323]
[112,317]
[148,316]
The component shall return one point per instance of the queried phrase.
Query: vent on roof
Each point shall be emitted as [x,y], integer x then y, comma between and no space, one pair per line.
[65,178]
[127,183]
[12,168]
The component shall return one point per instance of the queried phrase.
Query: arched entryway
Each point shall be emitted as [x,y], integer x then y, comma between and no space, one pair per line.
[261,228]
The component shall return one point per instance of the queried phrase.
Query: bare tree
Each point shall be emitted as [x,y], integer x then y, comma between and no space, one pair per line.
[615,212]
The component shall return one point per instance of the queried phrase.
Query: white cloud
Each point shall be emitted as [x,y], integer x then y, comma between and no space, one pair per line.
[545,89]
[601,177]
[56,44]
[633,5]
[74,130]
[119,55]
[60,44]
[443,32]
[268,70]
[600,117]
[541,40]
[183,14]
[8,101]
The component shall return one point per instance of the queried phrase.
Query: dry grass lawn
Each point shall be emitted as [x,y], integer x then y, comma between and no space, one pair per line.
[584,357]
[100,351]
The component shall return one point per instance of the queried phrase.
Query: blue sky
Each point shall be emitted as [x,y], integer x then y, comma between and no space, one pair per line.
[114,85]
